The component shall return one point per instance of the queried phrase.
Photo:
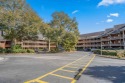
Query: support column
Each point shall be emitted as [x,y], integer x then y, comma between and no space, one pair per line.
[101,45]
[110,41]
[124,40]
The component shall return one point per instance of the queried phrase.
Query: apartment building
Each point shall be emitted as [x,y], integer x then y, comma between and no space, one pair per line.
[112,38]
[27,44]
[4,43]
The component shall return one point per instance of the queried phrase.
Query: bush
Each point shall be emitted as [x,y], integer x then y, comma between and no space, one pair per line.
[30,51]
[19,51]
[54,50]
[8,50]
[16,47]
[96,51]
[2,50]
[112,53]
[120,54]
[105,53]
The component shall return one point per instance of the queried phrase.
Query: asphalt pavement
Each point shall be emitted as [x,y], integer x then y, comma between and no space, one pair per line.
[104,70]
[60,68]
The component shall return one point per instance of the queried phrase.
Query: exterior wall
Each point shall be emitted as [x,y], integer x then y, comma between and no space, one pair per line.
[38,44]
[2,44]
[5,44]
[112,40]
[89,43]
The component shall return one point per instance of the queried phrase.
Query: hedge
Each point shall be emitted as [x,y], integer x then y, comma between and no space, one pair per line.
[105,53]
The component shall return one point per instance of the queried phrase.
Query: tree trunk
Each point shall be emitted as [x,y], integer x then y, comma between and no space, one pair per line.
[57,45]
[49,45]
[15,41]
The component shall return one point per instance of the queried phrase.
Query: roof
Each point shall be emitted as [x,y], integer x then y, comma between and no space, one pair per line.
[91,35]
[115,30]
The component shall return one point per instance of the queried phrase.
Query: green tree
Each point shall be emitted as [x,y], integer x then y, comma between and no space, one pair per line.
[69,41]
[18,21]
[64,25]
[47,32]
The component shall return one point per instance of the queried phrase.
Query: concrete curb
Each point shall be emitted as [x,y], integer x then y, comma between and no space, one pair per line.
[104,56]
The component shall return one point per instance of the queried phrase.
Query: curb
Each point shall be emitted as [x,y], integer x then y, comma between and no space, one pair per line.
[111,57]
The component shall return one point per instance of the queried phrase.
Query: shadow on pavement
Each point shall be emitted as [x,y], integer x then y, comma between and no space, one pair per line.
[115,74]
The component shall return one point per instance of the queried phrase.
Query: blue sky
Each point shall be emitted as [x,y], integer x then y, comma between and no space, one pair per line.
[91,15]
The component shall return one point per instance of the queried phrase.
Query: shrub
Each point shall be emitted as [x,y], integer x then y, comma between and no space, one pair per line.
[19,51]
[54,50]
[2,50]
[16,47]
[30,51]
[96,51]
[120,54]
[8,50]
[112,53]
[105,52]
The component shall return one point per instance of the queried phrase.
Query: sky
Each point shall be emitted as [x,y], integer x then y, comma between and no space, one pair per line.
[91,15]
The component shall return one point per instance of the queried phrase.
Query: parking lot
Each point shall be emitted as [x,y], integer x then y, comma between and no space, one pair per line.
[60,68]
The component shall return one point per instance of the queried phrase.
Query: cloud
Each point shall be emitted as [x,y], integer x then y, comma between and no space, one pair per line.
[114,14]
[75,11]
[110,2]
[109,20]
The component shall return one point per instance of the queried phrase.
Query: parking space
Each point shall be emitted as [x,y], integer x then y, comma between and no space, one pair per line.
[64,74]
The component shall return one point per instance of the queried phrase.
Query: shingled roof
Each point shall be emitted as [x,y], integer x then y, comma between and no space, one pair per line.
[95,34]
[116,29]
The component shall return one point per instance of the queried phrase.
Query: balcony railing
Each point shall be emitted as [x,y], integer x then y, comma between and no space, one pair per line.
[34,46]
[106,39]
[116,44]
[80,46]
[34,42]
[115,38]
[8,45]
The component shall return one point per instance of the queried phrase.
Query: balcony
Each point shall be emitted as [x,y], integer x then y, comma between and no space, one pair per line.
[33,46]
[80,46]
[8,45]
[96,41]
[81,42]
[115,38]
[35,42]
[117,44]
[105,39]
[53,46]
[105,44]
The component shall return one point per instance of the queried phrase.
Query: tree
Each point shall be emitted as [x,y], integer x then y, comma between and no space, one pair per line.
[64,25]
[18,21]
[47,32]
[69,41]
